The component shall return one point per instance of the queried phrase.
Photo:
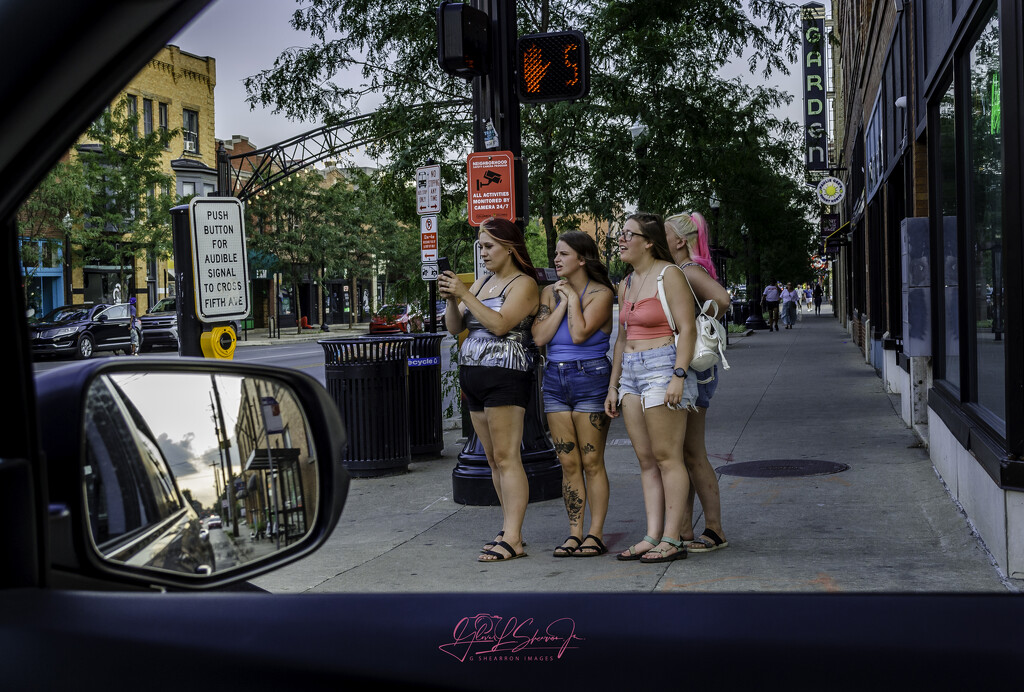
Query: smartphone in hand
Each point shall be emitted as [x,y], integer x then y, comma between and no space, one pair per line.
[443,265]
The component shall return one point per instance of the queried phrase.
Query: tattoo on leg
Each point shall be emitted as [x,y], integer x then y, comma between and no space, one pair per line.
[588,448]
[599,420]
[564,446]
[573,503]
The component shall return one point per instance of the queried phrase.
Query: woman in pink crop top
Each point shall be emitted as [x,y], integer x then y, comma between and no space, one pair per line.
[649,383]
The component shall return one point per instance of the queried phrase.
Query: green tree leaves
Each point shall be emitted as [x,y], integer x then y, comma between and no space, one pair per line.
[130,195]
[654,62]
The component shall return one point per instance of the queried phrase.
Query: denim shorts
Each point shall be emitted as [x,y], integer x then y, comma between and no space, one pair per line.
[576,385]
[707,383]
[647,374]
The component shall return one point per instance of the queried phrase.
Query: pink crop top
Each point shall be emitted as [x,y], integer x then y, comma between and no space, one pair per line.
[644,319]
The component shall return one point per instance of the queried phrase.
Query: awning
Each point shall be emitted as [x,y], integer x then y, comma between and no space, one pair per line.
[259,460]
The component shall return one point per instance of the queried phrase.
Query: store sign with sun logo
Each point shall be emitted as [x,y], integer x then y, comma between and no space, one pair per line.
[831,190]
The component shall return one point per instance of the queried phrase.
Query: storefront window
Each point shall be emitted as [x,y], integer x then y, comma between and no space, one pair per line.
[948,231]
[985,181]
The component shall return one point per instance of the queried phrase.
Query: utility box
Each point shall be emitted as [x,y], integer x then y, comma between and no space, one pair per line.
[916,286]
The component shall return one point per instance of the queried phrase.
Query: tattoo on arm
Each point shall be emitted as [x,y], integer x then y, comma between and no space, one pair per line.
[543,313]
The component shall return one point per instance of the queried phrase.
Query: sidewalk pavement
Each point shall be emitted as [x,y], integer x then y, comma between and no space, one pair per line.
[287,335]
[886,524]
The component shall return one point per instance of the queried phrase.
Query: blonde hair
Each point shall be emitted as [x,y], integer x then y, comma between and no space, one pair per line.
[693,228]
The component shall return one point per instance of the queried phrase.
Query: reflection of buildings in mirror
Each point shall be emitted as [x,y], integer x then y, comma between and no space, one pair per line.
[278,468]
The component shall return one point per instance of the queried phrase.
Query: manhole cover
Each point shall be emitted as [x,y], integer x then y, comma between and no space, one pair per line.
[780,468]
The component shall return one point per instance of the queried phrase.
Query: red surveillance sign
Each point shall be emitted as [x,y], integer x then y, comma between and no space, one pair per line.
[491,176]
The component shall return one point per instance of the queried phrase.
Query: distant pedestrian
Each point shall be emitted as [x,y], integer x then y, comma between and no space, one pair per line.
[496,367]
[770,303]
[575,323]
[817,298]
[790,296]
[687,240]
[134,326]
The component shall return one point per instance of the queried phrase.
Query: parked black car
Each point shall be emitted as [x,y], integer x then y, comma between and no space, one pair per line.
[160,325]
[81,330]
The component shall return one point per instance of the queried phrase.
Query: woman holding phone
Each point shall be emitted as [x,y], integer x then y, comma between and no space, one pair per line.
[495,367]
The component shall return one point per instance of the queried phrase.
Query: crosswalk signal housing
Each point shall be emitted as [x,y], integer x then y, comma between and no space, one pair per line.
[553,67]
[463,40]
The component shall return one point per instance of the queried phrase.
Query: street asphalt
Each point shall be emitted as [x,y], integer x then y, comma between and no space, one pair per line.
[885,524]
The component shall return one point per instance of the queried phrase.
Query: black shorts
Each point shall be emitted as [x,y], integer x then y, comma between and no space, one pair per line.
[486,387]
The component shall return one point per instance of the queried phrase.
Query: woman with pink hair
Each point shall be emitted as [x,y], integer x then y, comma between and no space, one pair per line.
[687,236]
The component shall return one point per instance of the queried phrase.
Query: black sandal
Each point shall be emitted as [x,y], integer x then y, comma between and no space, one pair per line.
[567,550]
[591,550]
[495,556]
[488,546]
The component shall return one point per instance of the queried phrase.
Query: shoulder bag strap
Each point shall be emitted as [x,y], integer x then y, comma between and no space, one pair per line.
[664,300]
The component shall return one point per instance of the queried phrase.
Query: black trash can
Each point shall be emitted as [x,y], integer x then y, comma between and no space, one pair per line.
[368,378]
[425,421]
[740,313]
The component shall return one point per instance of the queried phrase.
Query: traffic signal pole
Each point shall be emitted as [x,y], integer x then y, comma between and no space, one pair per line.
[495,100]
[496,103]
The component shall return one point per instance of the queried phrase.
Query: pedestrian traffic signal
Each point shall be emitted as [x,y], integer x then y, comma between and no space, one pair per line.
[553,67]
[463,40]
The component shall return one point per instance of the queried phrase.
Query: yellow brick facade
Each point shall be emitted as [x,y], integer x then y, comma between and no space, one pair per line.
[173,81]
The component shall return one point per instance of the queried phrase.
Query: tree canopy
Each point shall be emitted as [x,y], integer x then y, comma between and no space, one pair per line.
[653,62]
[130,195]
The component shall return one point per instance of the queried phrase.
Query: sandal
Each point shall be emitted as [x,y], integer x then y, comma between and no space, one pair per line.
[633,554]
[495,556]
[488,546]
[591,550]
[708,541]
[491,544]
[568,550]
[679,554]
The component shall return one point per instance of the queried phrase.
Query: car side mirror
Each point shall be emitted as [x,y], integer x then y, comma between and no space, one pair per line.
[188,474]
[102,318]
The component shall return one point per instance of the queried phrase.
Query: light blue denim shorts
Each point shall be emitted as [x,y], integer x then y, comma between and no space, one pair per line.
[647,374]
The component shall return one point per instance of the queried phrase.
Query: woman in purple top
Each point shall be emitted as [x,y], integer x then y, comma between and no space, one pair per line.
[575,322]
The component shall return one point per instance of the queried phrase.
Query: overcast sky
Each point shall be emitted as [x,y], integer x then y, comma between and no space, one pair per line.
[245,36]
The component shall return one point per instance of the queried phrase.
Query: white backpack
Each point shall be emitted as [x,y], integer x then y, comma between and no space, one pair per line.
[710,345]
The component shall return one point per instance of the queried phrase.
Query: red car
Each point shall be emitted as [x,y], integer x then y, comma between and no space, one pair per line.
[396,319]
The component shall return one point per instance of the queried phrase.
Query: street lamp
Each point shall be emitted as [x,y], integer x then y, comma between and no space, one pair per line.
[716,252]
[639,133]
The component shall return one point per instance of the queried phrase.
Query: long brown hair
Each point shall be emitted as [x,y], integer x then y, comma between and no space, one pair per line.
[511,238]
[586,249]
[653,228]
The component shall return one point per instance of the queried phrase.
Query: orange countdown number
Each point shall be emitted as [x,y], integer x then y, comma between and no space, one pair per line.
[553,67]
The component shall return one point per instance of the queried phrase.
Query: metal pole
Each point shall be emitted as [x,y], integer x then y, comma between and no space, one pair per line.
[225,443]
[190,329]
[274,485]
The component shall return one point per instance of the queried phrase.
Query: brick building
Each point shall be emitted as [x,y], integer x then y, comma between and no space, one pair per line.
[174,91]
